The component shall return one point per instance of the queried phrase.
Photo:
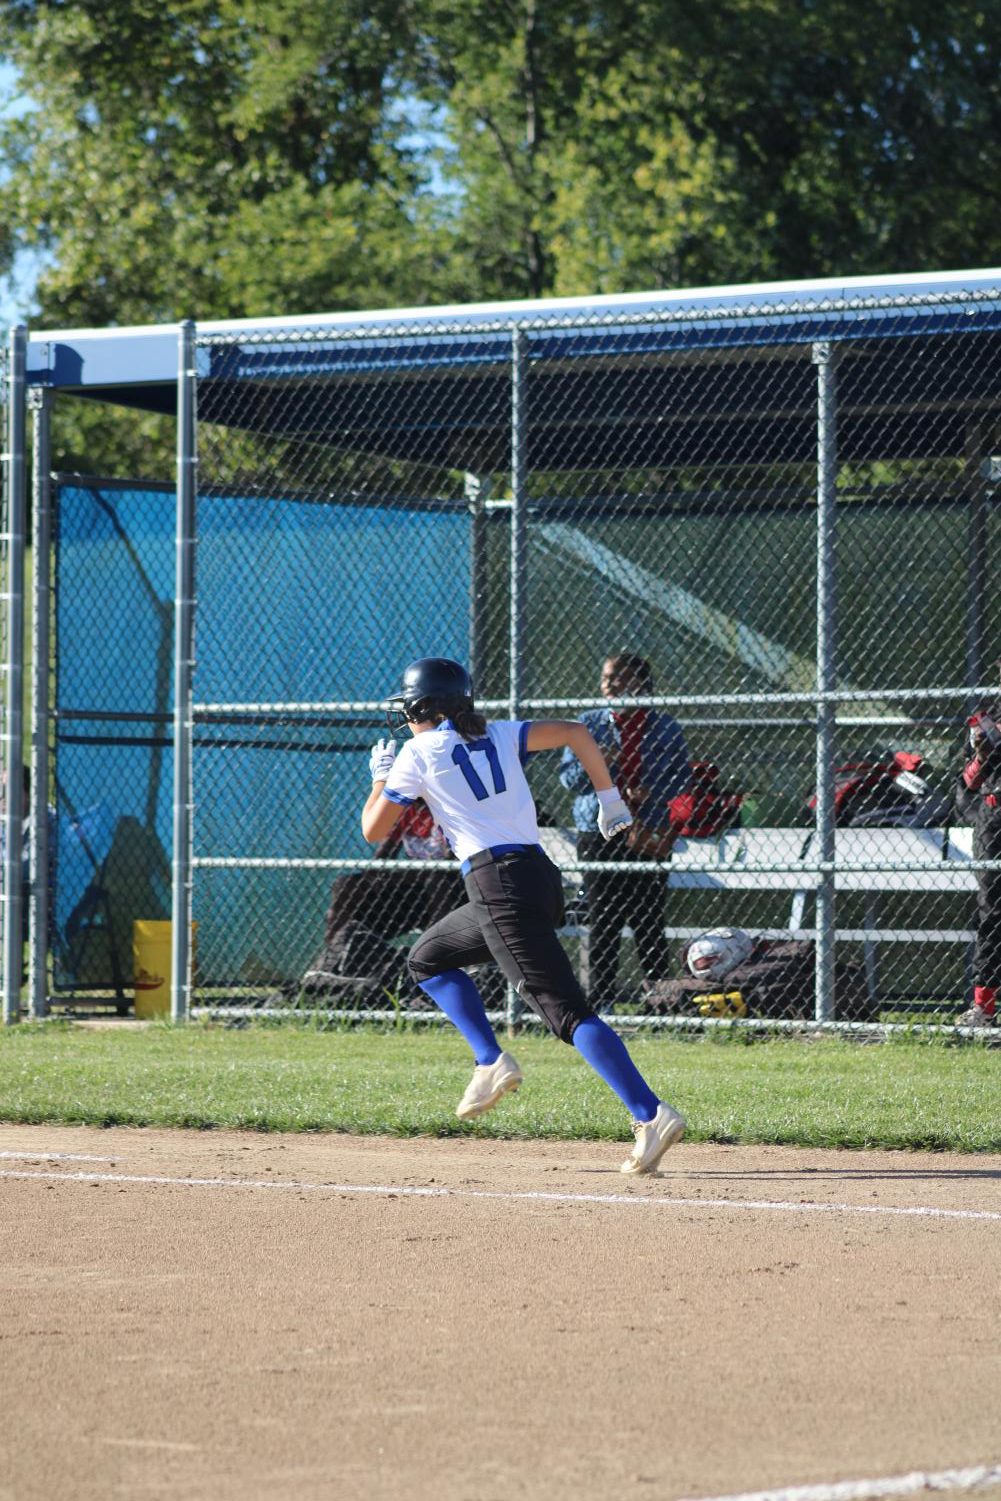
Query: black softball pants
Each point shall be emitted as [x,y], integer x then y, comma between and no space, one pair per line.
[515,905]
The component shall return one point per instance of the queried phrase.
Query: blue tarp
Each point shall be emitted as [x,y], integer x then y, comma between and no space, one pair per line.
[298,602]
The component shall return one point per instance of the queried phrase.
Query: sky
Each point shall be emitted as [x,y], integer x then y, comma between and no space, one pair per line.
[15,290]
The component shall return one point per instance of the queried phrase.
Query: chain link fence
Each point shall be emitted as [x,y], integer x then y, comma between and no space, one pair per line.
[537,499]
[750,544]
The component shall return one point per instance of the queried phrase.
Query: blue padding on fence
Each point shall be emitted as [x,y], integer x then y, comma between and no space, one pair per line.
[305,602]
[297,602]
[115,598]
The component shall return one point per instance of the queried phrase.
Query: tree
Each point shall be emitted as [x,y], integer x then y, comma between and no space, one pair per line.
[210,158]
[606,147]
[215,157]
[860,140]
[240,158]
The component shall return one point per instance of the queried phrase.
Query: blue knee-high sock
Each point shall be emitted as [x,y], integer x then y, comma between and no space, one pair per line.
[456,994]
[605,1051]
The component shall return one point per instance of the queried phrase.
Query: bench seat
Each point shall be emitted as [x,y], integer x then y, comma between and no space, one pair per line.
[906,861]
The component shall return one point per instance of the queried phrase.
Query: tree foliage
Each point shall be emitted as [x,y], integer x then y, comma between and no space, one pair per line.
[659,143]
[231,158]
[215,157]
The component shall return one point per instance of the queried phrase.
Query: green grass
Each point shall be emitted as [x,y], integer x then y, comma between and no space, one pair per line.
[903,1093]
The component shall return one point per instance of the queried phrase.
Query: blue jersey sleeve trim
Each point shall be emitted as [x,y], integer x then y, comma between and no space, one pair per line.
[398,797]
[523,751]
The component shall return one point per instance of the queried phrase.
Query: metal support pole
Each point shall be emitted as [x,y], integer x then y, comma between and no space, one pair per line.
[477,493]
[13,735]
[184,636]
[40,404]
[519,473]
[824,357]
[975,484]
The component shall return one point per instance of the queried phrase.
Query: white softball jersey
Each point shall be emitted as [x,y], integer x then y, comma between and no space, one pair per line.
[476,789]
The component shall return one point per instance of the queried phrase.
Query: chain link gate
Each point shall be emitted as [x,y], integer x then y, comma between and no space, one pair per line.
[793,532]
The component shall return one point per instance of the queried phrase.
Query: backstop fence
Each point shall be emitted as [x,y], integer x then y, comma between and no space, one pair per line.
[774,527]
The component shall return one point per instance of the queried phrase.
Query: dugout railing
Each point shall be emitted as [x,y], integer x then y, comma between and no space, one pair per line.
[784,499]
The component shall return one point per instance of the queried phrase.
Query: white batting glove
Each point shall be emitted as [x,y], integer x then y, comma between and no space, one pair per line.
[380,762]
[613,815]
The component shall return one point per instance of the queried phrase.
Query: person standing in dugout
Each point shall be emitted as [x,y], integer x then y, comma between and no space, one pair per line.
[646,752]
[471,775]
[980,783]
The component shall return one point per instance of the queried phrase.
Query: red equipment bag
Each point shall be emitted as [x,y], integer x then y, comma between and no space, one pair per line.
[877,791]
[704,811]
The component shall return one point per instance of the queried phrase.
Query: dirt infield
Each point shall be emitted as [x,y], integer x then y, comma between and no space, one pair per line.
[329,1316]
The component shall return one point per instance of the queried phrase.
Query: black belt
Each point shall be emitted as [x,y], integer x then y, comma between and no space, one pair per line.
[494,853]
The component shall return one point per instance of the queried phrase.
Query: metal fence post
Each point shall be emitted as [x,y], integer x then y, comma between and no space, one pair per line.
[13,736]
[824,357]
[519,471]
[977,552]
[184,607]
[477,492]
[40,403]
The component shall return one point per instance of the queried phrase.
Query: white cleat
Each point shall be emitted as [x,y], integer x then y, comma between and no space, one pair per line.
[653,1139]
[490,1082]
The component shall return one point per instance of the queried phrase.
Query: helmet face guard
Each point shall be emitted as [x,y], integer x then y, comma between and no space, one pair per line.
[396,714]
[431,685]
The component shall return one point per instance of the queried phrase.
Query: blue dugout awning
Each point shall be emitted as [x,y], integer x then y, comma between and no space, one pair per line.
[433,384]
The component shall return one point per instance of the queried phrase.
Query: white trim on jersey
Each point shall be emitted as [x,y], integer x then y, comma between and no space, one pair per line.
[476,790]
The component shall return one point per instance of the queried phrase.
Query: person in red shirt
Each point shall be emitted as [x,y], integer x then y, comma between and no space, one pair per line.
[647,755]
[980,784]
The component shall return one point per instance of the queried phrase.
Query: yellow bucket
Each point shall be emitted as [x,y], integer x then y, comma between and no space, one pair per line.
[152,966]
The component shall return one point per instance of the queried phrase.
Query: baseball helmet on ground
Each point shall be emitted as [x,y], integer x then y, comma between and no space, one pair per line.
[431,685]
[717,951]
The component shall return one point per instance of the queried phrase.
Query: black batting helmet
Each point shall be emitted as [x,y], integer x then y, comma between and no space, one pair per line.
[431,685]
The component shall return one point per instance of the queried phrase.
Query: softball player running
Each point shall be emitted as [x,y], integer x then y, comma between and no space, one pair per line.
[471,775]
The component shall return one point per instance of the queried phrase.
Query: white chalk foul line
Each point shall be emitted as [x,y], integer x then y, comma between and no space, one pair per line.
[975,1479]
[55,1157]
[409,1191]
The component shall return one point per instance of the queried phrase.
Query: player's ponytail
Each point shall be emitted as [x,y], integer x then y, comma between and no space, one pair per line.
[469,723]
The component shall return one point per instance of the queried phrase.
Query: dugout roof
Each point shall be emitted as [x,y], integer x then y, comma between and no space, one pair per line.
[433,384]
